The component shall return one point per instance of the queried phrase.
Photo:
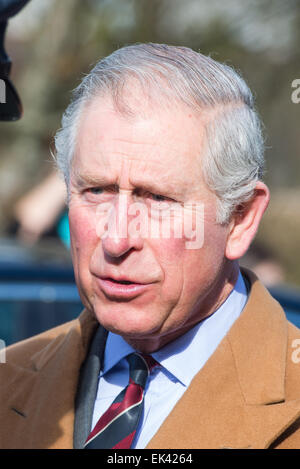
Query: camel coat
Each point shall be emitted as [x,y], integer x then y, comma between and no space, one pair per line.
[246,396]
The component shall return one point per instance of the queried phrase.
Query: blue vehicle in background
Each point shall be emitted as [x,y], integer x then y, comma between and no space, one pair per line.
[37,289]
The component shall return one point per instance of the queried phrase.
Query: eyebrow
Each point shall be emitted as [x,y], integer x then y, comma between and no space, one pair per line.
[81,180]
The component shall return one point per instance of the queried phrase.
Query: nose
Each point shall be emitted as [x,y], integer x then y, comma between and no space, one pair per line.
[119,239]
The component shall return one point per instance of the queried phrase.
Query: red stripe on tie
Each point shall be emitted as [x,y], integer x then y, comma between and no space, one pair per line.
[133,395]
[126,442]
[151,362]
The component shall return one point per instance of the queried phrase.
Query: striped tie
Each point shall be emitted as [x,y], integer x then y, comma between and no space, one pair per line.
[116,428]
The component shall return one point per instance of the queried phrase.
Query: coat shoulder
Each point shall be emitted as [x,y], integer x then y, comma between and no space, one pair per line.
[21,353]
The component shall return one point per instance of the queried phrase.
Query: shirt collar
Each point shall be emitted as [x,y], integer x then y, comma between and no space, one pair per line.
[200,341]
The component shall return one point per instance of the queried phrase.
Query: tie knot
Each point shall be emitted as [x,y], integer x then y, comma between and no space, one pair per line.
[140,366]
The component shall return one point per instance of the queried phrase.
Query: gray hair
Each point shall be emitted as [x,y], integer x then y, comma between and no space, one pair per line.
[233,160]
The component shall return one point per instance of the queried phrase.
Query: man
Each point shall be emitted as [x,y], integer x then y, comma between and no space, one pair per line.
[162,154]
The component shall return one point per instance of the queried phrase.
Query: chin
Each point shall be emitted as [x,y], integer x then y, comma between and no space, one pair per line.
[128,321]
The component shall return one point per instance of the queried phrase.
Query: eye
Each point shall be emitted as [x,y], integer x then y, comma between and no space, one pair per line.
[160,203]
[95,190]
[159,198]
[94,193]
[99,194]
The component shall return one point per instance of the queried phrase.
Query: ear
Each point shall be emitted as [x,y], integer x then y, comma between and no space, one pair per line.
[245,222]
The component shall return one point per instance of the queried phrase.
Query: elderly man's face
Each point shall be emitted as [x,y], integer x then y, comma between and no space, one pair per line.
[143,170]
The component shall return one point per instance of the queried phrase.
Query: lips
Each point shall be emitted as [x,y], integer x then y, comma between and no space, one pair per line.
[121,288]
[122,281]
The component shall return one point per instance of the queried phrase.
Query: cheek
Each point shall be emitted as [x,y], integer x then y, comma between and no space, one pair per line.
[169,251]
[170,254]
[203,265]
[83,234]
[188,271]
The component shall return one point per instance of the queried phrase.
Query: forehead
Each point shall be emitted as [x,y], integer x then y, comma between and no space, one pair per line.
[163,144]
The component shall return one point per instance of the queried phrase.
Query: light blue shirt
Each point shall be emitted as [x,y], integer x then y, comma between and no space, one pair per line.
[180,361]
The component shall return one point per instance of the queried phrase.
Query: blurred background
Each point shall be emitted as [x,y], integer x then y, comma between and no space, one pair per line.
[52,44]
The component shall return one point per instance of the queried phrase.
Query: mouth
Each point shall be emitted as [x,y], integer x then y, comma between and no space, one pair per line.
[121,288]
[122,281]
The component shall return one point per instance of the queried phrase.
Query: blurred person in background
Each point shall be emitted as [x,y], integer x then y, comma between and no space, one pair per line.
[40,210]
[177,346]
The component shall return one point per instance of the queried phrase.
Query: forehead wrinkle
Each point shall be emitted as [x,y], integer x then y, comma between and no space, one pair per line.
[156,146]
[139,152]
[124,140]
[165,184]
[82,176]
